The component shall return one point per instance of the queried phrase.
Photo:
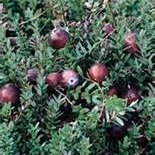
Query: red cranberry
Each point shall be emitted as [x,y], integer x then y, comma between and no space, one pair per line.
[142,141]
[107,29]
[12,41]
[117,132]
[70,78]
[32,75]
[9,93]
[113,91]
[131,95]
[97,72]
[53,79]
[130,43]
[58,38]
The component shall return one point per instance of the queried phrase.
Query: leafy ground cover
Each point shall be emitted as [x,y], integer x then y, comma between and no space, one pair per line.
[77,77]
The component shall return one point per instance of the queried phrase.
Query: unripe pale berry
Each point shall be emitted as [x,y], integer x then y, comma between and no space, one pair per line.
[70,78]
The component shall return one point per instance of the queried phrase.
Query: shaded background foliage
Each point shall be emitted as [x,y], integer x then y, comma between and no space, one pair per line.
[35,126]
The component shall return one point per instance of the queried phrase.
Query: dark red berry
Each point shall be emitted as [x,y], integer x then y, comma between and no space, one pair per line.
[58,38]
[113,91]
[69,78]
[9,93]
[133,117]
[142,141]
[65,109]
[12,41]
[130,43]
[53,80]
[32,75]
[97,72]
[131,95]
[117,132]
[66,114]
[108,29]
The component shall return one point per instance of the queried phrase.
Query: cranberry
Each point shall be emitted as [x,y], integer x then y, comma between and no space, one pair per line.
[142,141]
[9,93]
[65,109]
[70,78]
[117,132]
[113,91]
[32,75]
[58,38]
[130,43]
[108,29]
[66,114]
[131,95]
[97,72]
[53,79]
[12,41]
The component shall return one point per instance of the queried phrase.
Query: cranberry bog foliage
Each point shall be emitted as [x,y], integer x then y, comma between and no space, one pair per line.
[77,77]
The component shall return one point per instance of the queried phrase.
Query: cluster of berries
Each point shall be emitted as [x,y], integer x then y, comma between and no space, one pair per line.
[70,78]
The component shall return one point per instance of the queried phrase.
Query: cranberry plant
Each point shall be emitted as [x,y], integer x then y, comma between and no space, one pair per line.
[85,75]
